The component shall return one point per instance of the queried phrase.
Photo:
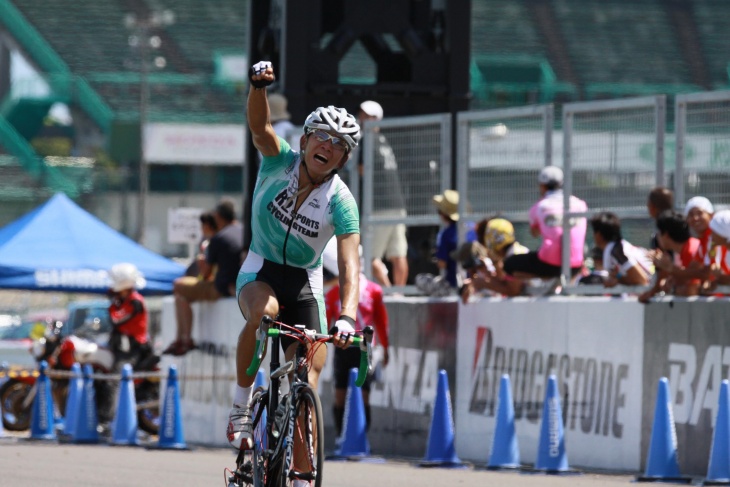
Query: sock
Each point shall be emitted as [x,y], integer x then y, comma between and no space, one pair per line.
[339,416]
[242,396]
[301,483]
[367,417]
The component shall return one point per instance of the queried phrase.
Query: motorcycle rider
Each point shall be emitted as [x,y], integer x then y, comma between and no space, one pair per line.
[128,313]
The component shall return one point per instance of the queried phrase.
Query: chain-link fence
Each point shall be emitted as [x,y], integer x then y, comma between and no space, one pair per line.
[702,122]
[499,154]
[405,162]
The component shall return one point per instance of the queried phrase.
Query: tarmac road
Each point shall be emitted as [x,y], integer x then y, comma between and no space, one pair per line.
[49,464]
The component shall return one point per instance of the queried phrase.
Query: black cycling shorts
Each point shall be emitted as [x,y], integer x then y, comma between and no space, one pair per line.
[345,360]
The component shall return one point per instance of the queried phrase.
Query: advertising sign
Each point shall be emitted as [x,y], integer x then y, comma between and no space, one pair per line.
[593,346]
[203,144]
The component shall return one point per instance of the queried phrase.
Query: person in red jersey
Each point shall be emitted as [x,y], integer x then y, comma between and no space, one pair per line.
[128,314]
[370,311]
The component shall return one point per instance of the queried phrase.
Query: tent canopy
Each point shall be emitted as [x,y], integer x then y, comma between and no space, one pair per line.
[61,247]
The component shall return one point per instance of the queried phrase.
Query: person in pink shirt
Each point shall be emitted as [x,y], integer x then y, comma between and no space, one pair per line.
[546,220]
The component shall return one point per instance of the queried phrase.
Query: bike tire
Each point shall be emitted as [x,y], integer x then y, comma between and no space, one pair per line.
[12,395]
[309,427]
[260,413]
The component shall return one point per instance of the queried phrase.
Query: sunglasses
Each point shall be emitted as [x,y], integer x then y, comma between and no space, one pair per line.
[337,142]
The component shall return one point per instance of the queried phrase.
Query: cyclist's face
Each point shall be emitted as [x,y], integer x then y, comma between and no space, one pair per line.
[324,151]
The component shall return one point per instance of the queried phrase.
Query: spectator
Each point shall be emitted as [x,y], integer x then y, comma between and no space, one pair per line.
[659,200]
[719,255]
[447,239]
[198,268]
[673,235]
[698,211]
[370,311]
[625,263]
[546,220]
[597,274]
[499,237]
[223,253]
[280,119]
[128,315]
[388,240]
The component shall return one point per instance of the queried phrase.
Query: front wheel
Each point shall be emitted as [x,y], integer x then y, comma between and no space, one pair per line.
[12,395]
[305,460]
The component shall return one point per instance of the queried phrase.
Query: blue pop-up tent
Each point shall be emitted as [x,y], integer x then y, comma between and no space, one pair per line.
[61,247]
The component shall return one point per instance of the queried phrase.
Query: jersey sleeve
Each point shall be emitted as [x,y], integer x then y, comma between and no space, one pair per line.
[345,216]
[273,163]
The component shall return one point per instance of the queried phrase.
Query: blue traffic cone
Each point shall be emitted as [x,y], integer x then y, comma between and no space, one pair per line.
[662,463]
[354,428]
[87,418]
[124,425]
[551,455]
[42,426]
[75,387]
[718,470]
[171,427]
[441,451]
[505,450]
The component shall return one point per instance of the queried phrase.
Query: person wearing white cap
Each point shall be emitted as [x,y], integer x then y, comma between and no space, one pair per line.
[719,255]
[546,221]
[127,313]
[388,240]
[698,211]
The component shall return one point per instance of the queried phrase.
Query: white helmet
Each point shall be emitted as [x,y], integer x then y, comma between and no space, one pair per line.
[125,276]
[336,120]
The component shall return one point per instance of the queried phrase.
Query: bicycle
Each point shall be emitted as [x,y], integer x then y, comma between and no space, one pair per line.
[276,421]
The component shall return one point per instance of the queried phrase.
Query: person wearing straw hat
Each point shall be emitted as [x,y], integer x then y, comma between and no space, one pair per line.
[447,204]
[280,118]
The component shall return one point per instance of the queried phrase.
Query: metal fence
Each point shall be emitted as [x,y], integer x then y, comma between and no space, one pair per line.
[499,154]
[406,160]
[702,124]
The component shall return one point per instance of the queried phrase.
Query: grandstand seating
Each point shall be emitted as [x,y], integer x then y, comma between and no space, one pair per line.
[713,22]
[621,41]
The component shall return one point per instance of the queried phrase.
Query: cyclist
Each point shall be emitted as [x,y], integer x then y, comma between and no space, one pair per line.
[299,203]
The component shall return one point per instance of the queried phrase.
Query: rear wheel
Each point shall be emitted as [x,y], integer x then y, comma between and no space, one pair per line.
[12,395]
[307,457]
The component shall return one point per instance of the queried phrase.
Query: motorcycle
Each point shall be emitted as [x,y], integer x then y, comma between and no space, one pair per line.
[61,352]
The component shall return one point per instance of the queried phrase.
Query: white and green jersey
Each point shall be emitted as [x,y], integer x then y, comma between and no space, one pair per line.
[297,239]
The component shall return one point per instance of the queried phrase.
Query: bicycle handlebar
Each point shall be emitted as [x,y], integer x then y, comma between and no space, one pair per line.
[265,331]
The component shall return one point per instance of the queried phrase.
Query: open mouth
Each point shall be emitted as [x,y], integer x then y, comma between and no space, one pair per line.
[320,158]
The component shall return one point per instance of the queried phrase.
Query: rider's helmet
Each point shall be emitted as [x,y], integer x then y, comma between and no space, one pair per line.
[500,233]
[125,276]
[336,120]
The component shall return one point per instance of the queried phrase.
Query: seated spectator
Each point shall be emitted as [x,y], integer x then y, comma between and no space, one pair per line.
[546,220]
[198,267]
[448,237]
[499,237]
[659,200]
[625,263]
[594,264]
[223,252]
[699,211]
[718,254]
[673,235]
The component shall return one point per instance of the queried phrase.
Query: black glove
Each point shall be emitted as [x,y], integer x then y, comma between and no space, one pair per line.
[259,68]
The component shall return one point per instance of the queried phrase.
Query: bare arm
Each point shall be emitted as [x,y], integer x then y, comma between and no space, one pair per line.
[348,262]
[257,112]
